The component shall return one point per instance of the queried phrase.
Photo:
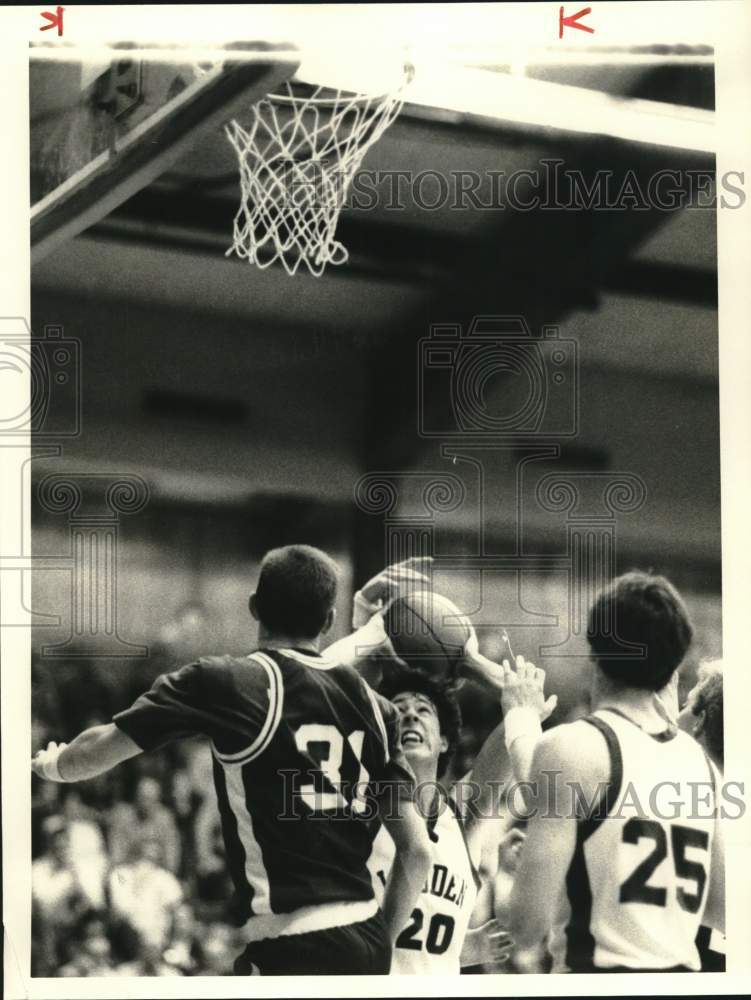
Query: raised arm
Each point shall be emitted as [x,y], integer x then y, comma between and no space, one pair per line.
[370,605]
[511,745]
[411,866]
[92,752]
[365,641]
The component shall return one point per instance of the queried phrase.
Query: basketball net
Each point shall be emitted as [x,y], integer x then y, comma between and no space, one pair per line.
[297,159]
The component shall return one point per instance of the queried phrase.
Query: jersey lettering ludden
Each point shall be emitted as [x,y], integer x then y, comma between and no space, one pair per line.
[440,883]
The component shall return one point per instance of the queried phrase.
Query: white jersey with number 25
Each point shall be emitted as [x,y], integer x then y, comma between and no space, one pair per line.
[637,884]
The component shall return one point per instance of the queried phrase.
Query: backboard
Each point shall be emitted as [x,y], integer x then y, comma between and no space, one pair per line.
[106,124]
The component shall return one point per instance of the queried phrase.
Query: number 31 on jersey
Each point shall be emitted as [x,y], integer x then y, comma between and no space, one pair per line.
[325,745]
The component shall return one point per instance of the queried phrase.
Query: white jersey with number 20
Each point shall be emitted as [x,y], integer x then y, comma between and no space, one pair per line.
[431,941]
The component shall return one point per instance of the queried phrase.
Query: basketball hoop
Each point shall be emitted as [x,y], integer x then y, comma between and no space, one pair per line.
[297,159]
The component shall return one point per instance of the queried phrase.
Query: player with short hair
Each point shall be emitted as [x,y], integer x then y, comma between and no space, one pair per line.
[301,745]
[618,875]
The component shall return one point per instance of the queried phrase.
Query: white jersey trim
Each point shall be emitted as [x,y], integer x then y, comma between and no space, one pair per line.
[273,716]
[380,721]
[255,870]
[319,662]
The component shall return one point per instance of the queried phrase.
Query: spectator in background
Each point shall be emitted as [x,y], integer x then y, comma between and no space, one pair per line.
[57,898]
[91,949]
[146,819]
[144,894]
[185,952]
[185,802]
[45,803]
[212,882]
[86,849]
[702,715]
[56,892]
[219,943]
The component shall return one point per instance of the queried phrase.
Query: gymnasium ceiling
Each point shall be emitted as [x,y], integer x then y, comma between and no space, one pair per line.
[351,336]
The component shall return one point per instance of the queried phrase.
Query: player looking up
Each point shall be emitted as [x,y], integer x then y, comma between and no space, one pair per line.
[298,739]
[620,876]
[432,939]
[437,940]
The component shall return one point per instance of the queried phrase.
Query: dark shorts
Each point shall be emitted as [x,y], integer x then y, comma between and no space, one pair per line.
[360,949]
[626,968]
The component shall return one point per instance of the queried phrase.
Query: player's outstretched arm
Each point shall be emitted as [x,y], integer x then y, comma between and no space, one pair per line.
[512,742]
[525,708]
[92,752]
[411,866]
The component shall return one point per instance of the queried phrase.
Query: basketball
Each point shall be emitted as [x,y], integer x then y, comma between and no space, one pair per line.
[428,631]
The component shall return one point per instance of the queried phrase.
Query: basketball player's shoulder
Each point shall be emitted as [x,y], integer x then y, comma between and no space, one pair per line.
[381,706]
[357,689]
[573,747]
[248,677]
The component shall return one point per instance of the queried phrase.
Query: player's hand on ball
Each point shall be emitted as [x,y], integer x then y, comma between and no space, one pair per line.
[524,687]
[486,669]
[488,944]
[391,583]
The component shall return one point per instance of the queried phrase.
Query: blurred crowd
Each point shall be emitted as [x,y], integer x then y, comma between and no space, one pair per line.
[128,872]
[128,875]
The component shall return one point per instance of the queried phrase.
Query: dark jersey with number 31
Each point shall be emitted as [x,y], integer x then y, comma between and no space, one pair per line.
[299,742]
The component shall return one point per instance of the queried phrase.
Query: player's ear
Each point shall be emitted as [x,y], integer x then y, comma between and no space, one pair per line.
[444,744]
[329,623]
[252,606]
